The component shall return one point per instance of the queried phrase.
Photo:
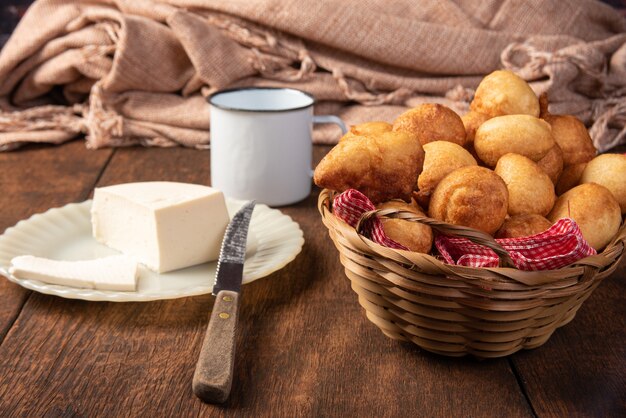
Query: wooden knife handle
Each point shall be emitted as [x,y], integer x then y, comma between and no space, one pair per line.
[213,377]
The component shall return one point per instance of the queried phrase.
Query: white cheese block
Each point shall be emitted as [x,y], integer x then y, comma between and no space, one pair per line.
[117,272]
[164,225]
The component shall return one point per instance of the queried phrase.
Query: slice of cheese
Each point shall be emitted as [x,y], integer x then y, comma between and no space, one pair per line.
[164,225]
[117,272]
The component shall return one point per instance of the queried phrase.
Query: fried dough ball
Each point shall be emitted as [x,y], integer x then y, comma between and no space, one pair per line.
[594,209]
[471,196]
[383,167]
[523,226]
[520,134]
[570,177]
[472,120]
[441,158]
[552,163]
[530,188]
[367,128]
[573,138]
[432,122]
[504,93]
[608,170]
[413,235]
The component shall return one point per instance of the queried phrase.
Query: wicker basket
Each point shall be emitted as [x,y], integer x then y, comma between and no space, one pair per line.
[455,310]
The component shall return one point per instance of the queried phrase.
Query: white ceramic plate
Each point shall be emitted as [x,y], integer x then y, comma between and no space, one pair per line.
[65,234]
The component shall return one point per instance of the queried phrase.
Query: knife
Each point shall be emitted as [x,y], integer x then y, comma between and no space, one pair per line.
[213,377]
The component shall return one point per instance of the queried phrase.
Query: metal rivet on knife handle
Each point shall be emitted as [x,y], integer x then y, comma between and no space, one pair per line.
[224,315]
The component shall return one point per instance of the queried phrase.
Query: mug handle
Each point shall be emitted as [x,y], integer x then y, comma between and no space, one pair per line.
[331,119]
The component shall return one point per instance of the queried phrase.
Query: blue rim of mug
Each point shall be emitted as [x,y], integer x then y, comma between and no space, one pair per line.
[291,109]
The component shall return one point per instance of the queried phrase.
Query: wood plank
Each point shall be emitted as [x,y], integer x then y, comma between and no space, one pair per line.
[305,346]
[32,180]
[581,371]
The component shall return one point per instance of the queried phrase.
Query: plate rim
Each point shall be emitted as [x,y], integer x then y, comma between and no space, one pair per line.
[121,296]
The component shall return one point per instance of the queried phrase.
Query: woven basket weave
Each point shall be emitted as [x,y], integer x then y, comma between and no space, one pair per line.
[456,310]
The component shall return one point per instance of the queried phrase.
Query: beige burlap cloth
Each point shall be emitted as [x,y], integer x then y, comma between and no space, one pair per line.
[126,72]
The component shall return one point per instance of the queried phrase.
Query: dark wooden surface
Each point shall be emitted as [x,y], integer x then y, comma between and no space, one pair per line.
[304,346]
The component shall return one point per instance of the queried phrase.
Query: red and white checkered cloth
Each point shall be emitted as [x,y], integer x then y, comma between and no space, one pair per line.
[560,245]
[350,205]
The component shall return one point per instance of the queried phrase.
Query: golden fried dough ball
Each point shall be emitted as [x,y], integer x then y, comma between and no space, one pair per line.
[367,128]
[530,188]
[521,134]
[608,170]
[552,163]
[505,93]
[594,209]
[383,167]
[441,158]
[472,196]
[472,120]
[413,235]
[570,177]
[432,122]
[523,226]
[573,138]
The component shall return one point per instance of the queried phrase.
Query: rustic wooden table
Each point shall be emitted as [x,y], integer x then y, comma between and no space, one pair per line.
[305,346]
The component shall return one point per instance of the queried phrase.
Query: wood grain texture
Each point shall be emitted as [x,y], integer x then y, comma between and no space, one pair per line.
[213,376]
[304,346]
[32,180]
[581,370]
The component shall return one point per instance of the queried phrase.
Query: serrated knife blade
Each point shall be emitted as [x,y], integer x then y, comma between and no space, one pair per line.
[213,376]
[233,252]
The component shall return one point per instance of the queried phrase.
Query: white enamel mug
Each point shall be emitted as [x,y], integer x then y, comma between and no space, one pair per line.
[261,143]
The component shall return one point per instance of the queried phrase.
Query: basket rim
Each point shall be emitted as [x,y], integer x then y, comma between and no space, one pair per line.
[606,260]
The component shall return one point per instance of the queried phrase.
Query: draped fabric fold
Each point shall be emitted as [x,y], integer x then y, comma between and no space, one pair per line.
[127,72]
